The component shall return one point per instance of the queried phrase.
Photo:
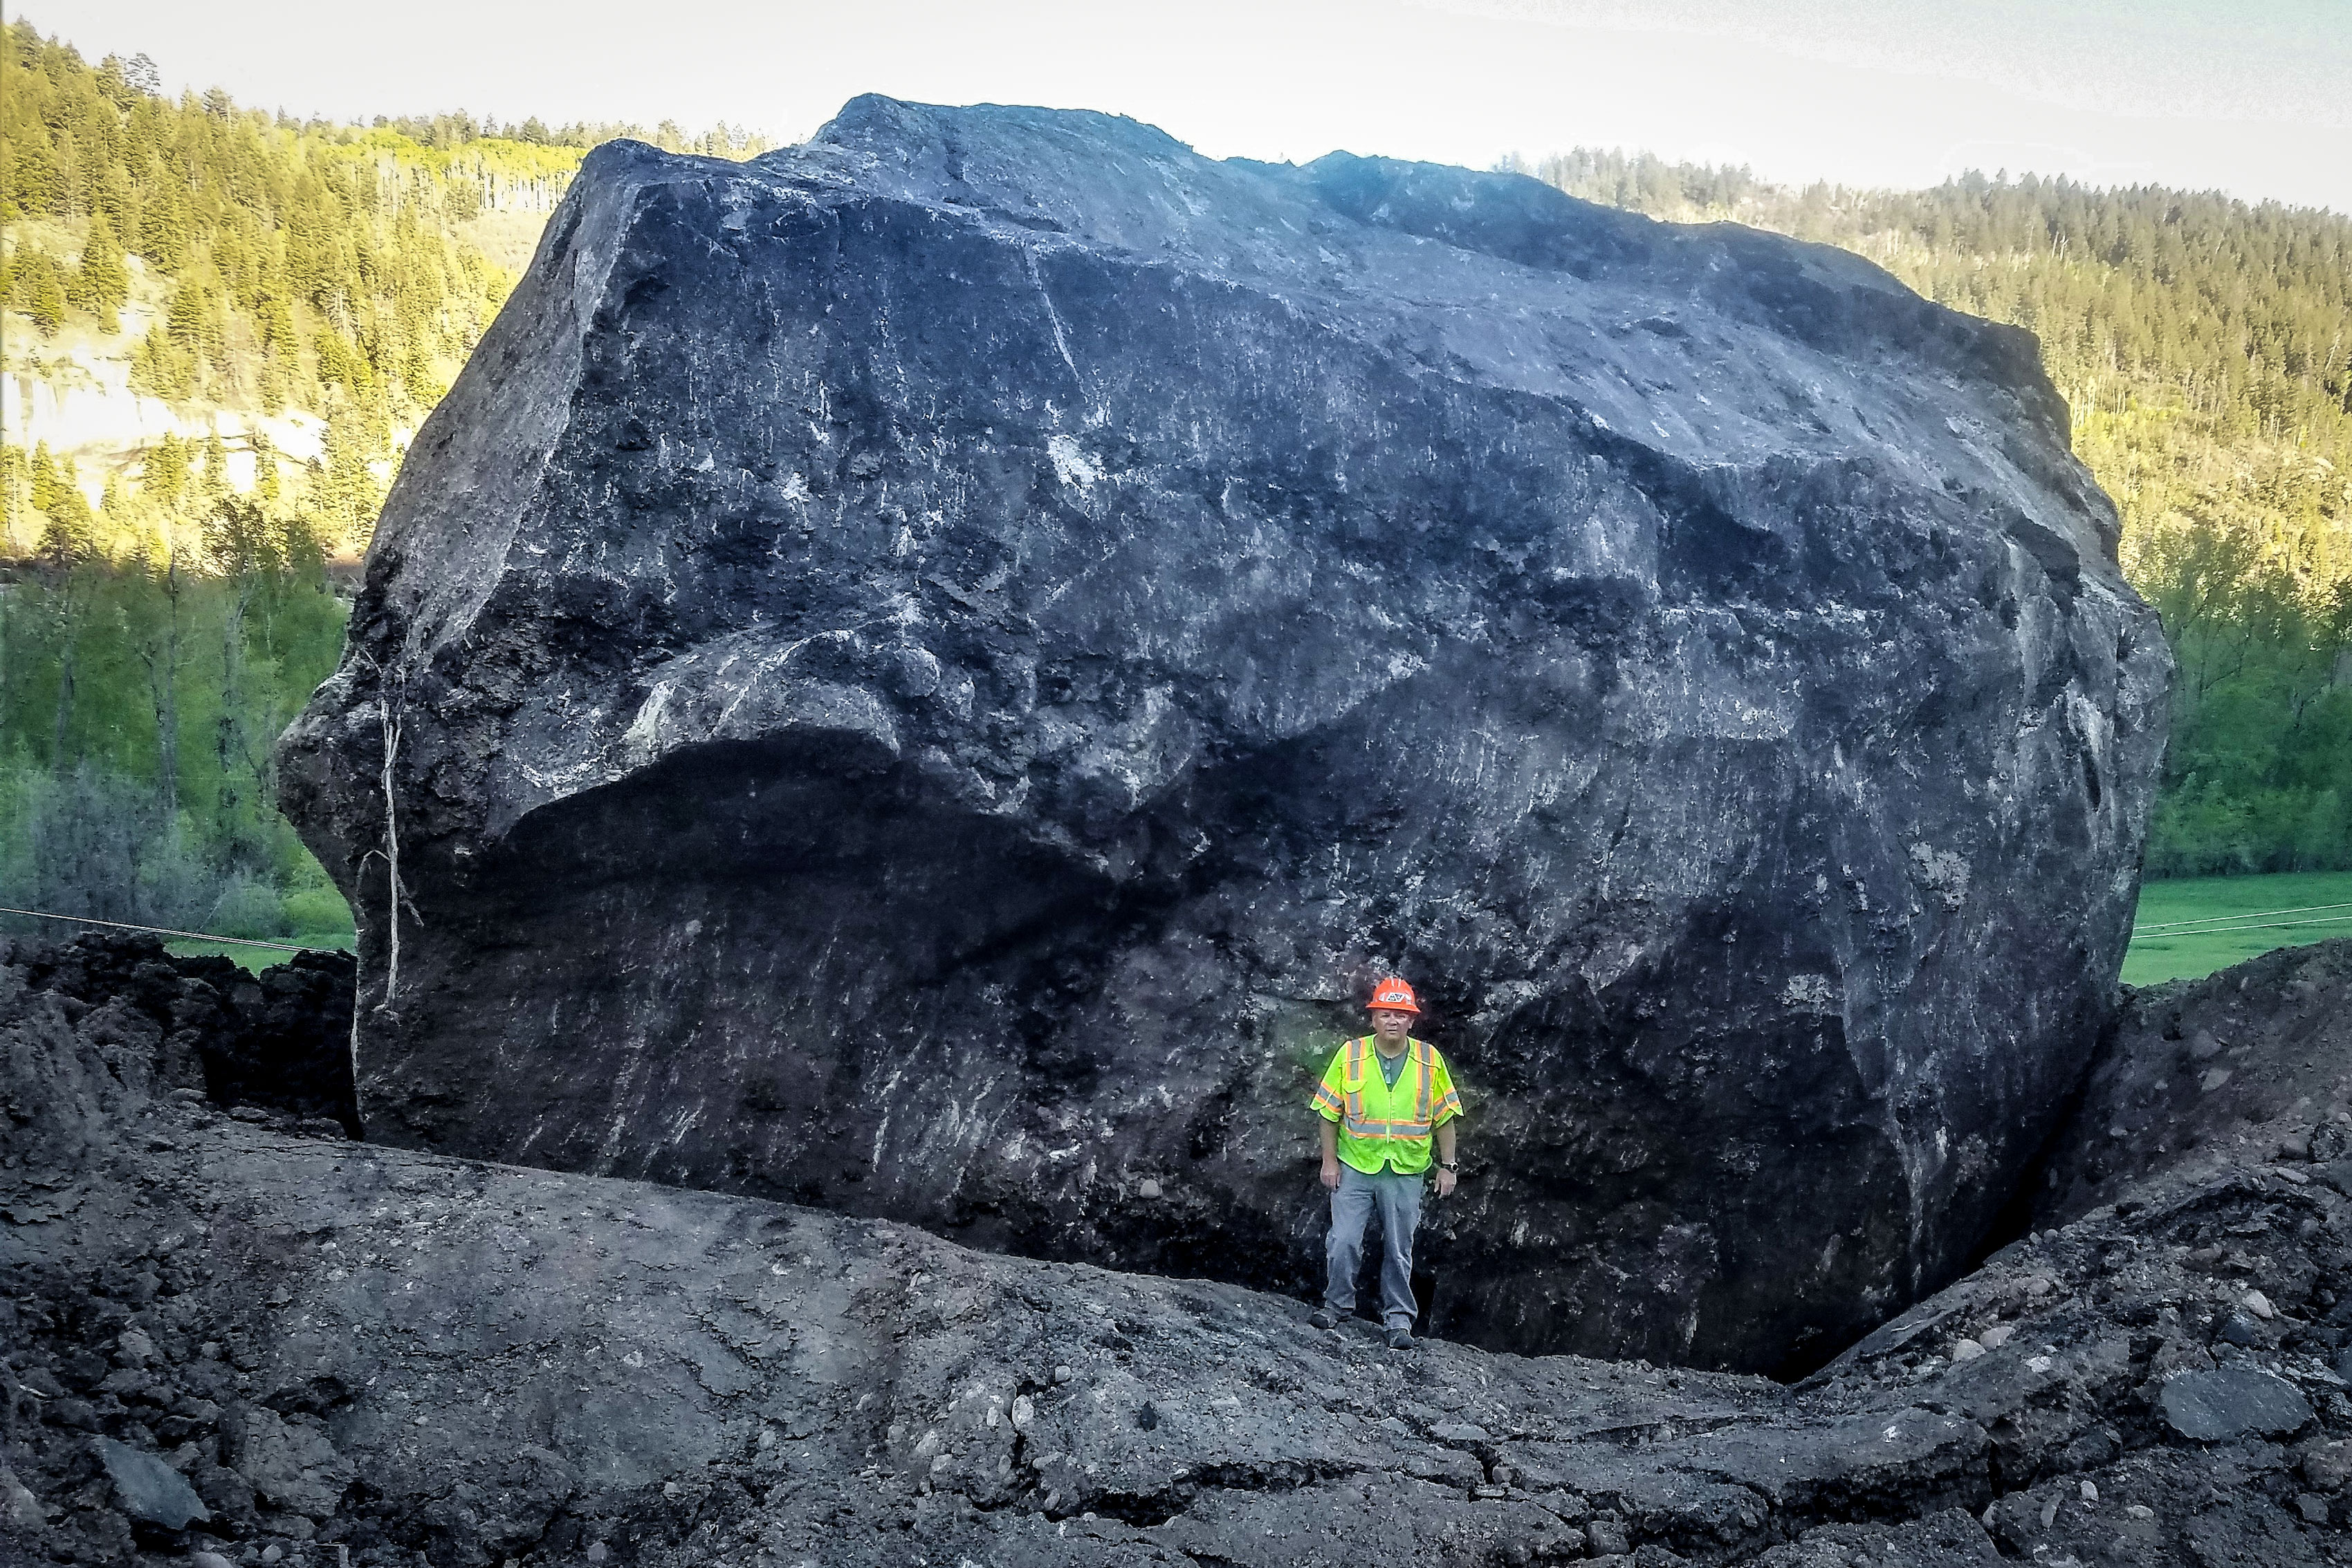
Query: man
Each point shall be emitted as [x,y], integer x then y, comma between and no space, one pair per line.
[1385,1100]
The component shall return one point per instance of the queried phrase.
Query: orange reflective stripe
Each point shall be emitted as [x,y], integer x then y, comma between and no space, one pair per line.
[1379,1131]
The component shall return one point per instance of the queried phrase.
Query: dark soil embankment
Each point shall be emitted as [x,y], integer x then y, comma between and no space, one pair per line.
[2201,1075]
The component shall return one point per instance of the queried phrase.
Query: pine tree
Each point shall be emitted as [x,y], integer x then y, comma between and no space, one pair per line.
[165,225]
[102,284]
[56,495]
[265,490]
[161,369]
[49,481]
[15,503]
[163,477]
[32,174]
[39,289]
[212,486]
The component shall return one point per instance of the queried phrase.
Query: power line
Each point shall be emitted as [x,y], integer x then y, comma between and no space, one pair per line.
[2164,928]
[161,930]
[2249,915]
[2271,926]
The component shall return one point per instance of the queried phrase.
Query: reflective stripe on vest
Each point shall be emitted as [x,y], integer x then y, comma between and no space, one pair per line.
[1352,1079]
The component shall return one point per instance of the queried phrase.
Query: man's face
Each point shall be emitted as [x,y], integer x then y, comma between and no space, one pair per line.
[1391,1025]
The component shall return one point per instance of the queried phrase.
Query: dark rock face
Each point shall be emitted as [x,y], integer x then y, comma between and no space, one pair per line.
[372,1354]
[924,674]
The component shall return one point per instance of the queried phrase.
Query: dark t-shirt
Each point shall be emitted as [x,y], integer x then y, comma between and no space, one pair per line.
[1392,1067]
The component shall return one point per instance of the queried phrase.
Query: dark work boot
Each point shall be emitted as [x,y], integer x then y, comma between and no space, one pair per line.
[1400,1339]
[1324,1318]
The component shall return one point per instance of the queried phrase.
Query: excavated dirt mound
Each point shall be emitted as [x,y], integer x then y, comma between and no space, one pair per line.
[2249,1063]
[271,1046]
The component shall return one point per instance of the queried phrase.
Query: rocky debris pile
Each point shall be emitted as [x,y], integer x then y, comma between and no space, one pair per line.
[921,675]
[2246,1064]
[2126,1372]
[272,1046]
[295,1352]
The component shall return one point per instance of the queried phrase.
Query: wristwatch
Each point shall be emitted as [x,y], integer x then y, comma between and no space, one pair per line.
[1449,1165]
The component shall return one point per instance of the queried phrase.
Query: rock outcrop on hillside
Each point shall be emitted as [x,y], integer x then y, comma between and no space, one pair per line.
[226,1337]
[924,675]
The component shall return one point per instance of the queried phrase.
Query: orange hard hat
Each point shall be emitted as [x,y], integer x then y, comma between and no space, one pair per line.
[1392,995]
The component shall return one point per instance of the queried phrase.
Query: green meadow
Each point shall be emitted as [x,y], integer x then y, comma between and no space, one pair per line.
[2190,927]
[259,959]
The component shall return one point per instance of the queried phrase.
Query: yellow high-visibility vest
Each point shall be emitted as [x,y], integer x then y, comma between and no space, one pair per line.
[1383,1126]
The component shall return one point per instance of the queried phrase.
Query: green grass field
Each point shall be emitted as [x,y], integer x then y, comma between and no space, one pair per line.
[2194,925]
[260,959]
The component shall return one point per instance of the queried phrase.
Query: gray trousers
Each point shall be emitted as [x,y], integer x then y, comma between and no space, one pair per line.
[1397,1198]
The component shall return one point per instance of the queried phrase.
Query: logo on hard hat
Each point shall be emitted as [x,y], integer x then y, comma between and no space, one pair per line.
[1393,994]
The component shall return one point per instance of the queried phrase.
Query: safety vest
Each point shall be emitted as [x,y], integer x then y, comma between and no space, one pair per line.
[1384,1126]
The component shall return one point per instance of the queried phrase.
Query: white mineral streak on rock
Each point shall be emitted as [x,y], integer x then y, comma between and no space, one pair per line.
[1071,464]
[1807,993]
[1941,872]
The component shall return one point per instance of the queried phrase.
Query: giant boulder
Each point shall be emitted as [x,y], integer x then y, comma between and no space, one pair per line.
[925,674]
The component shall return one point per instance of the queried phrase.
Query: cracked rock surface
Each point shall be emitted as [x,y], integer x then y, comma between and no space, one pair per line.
[357,1353]
[924,676]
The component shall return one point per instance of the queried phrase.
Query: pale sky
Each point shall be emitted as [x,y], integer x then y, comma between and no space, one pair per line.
[2255,100]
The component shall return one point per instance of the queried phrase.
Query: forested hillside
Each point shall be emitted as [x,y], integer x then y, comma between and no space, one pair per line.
[2206,347]
[223,325]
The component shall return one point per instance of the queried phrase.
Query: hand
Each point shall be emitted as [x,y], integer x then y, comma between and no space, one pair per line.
[1332,1175]
[1444,1182]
